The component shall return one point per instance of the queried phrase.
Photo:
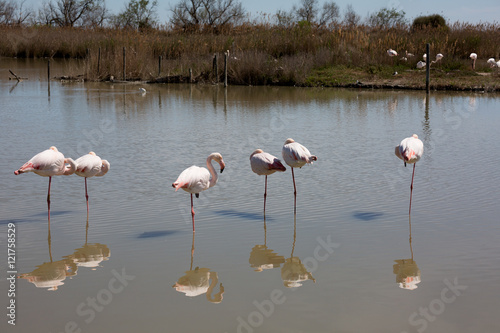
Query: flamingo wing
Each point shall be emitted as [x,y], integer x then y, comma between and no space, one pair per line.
[296,155]
[265,164]
[193,180]
[48,163]
[88,165]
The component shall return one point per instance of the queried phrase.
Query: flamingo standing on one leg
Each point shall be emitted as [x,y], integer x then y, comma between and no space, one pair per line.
[473,57]
[265,164]
[296,156]
[91,165]
[196,179]
[410,150]
[49,163]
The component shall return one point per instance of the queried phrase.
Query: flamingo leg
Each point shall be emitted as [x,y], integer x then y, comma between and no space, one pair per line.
[192,210]
[48,200]
[411,186]
[86,196]
[265,196]
[294,193]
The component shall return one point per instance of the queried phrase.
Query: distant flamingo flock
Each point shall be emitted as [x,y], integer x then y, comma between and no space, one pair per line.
[196,179]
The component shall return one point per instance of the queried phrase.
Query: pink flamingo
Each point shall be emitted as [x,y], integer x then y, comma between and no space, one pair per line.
[196,179]
[91,165]
[49,163]
[410,150]
[265,164]
[296,156]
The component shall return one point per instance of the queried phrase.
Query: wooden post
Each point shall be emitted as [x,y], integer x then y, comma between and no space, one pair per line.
[226,56]
[99,62]
[124,61]
[190,75]
[215,69]
[159,65]
[48,70]
[428,68]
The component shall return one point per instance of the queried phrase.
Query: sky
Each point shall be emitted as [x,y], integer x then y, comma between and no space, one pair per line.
[452,10]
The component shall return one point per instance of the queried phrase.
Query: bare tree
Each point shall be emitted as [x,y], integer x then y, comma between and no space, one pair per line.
[7,10]
[67,13]
[285,19]
[14,13]
[194,14]
[97,14]
[351,18]
[329,14]
[307,10]
[138,14]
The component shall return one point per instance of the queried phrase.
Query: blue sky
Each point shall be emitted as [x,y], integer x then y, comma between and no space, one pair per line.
[456,10]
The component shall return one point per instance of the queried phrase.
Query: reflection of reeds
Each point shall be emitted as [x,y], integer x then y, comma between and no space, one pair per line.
[259,54]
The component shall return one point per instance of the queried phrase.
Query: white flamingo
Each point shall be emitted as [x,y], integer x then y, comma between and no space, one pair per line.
[473,57]
[265,164]
[91,165]
[49,163]
[296,156]
[410,150]
[196,179]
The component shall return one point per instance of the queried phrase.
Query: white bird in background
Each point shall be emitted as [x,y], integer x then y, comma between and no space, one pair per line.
[142,90]
[408,54]
[296,156]
[410,150]
[49,163]
[265,164]
[425,57]
[421,64]
[196,179]
[91,165]
[439,56]
[493,63]
[473,57]
[392,53]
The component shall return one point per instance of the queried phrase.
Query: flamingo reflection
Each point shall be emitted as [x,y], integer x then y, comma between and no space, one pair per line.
[90,254]
[293,271]
[51,274]
[406,270]
[262,257]
[197,282]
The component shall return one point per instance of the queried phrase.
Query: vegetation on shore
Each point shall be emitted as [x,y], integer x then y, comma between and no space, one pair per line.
[300,54]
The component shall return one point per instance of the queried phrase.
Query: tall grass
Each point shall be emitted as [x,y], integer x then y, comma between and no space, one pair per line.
[259,53]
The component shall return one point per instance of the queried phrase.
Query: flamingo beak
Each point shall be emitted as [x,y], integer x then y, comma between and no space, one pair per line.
[222,166]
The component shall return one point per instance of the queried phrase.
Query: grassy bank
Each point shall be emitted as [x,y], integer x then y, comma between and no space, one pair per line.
[269,55]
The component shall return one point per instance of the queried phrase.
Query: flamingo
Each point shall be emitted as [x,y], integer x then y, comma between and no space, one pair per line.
[493,63]
[410,150]
[421,64]
[392,53]
[473,56]
[439,56]
[265,164]
[91,165]
[296,156]
[49,163]
[196,179]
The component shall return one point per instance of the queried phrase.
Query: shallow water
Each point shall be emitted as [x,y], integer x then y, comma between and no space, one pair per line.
[337,266]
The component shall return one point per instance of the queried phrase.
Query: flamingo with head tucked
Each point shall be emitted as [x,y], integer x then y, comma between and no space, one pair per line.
[196,179]
[265,164]
[91,165]
[410,150]
[296,156]
[49,163]
[473,57]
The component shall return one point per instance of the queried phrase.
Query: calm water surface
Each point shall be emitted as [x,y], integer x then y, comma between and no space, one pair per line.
[349,261]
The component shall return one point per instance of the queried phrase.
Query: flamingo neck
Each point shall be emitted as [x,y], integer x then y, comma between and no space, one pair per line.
[71,168]
[211,169]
